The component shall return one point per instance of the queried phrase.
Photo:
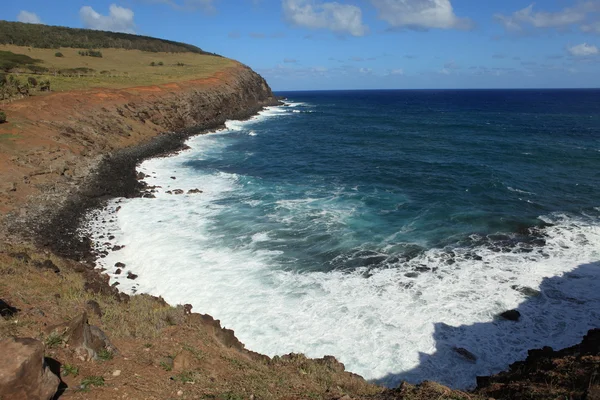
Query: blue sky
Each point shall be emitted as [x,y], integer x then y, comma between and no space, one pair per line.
[364,44]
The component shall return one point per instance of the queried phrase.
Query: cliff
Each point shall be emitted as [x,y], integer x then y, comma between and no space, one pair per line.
[64,153]
[55,146]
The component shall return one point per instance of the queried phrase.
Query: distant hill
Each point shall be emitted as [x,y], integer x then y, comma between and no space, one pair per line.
[50,37]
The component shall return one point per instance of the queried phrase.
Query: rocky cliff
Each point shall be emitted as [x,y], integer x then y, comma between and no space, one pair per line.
[82,146]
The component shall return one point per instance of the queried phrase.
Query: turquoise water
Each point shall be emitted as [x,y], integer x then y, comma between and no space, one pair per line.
[383,227]
[368,178]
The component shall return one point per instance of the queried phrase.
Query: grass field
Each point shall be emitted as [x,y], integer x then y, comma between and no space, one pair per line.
[119,68]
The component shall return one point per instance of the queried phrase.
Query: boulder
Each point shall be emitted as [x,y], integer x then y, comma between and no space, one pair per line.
[141,175]
[177,191]
[6,310]
[94,307]
[185,361]
[48,264]
[84,339]
[194,191]
[511,315]
[131,275]
[24,375]
[466,354]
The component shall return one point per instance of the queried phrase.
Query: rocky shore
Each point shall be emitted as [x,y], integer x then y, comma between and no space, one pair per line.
[75,151]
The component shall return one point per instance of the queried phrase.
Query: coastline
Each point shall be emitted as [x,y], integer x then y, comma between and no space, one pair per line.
[116,176]
[113,174]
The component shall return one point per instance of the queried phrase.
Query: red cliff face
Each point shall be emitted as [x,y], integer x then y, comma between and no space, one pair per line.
[52,142]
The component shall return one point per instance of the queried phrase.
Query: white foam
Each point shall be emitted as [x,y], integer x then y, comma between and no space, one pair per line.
[380,323]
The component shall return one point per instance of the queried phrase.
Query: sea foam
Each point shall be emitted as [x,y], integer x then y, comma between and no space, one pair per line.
[398,321]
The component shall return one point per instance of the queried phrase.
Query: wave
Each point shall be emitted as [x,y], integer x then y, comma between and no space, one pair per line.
[379,314]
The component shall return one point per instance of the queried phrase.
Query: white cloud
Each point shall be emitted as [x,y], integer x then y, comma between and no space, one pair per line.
[397,71]
[527,17]
[583,50]
[593,27]
[340,18]
[119,19]
[420,14]
[28,17]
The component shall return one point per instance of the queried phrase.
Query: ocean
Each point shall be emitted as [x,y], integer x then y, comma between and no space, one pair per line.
[386,228]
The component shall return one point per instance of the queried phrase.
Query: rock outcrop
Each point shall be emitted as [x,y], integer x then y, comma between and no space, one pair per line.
[24,374]
[88,342]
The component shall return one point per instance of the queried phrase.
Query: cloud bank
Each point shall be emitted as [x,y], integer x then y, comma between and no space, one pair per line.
[119,19]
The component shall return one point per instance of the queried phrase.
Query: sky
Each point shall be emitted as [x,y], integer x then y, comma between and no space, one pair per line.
[363,44]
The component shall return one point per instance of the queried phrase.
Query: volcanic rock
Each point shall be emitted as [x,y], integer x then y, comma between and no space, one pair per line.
[24,375]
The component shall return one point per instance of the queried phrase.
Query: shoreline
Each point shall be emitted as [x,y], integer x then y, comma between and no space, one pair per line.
[116,176]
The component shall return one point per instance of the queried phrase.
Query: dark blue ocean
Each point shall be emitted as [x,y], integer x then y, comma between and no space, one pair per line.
[387,228]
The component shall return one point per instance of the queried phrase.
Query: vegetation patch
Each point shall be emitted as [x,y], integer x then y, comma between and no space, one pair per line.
[69,369]
[10,60]
[53,37]
[91,381]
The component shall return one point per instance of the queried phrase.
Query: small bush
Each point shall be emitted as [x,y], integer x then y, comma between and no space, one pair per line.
[90,53]
[180,64]
[58,54]
[2,117]
[69,369]
[91,381]
[32,81]
[153,64]
[54,340]
[160,63]
[105,355]
[184,377]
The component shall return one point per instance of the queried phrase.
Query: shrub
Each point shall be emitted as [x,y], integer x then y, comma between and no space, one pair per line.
[2,117]
[32,81]
[161,63]
[69,369]
[45,86]
[153,64]
[180,64]
[91,381]
[58,54]
[105,355]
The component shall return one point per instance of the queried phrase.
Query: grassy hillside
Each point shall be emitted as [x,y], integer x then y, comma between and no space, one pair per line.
[52,37]
[74,59]
[117,68]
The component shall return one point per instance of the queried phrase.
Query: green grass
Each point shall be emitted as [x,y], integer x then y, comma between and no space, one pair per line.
[69,369]
[105,355]
[165,366]
[184,377]
[91,381]
[119,68]
[54,340]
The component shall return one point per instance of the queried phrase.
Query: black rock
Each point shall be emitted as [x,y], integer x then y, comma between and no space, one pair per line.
[120,265]
[48,264]
[6,310]
[131,275]
[465,354]
[511,315]
[526,291]
[118,271]
[94,307]
[24,257]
